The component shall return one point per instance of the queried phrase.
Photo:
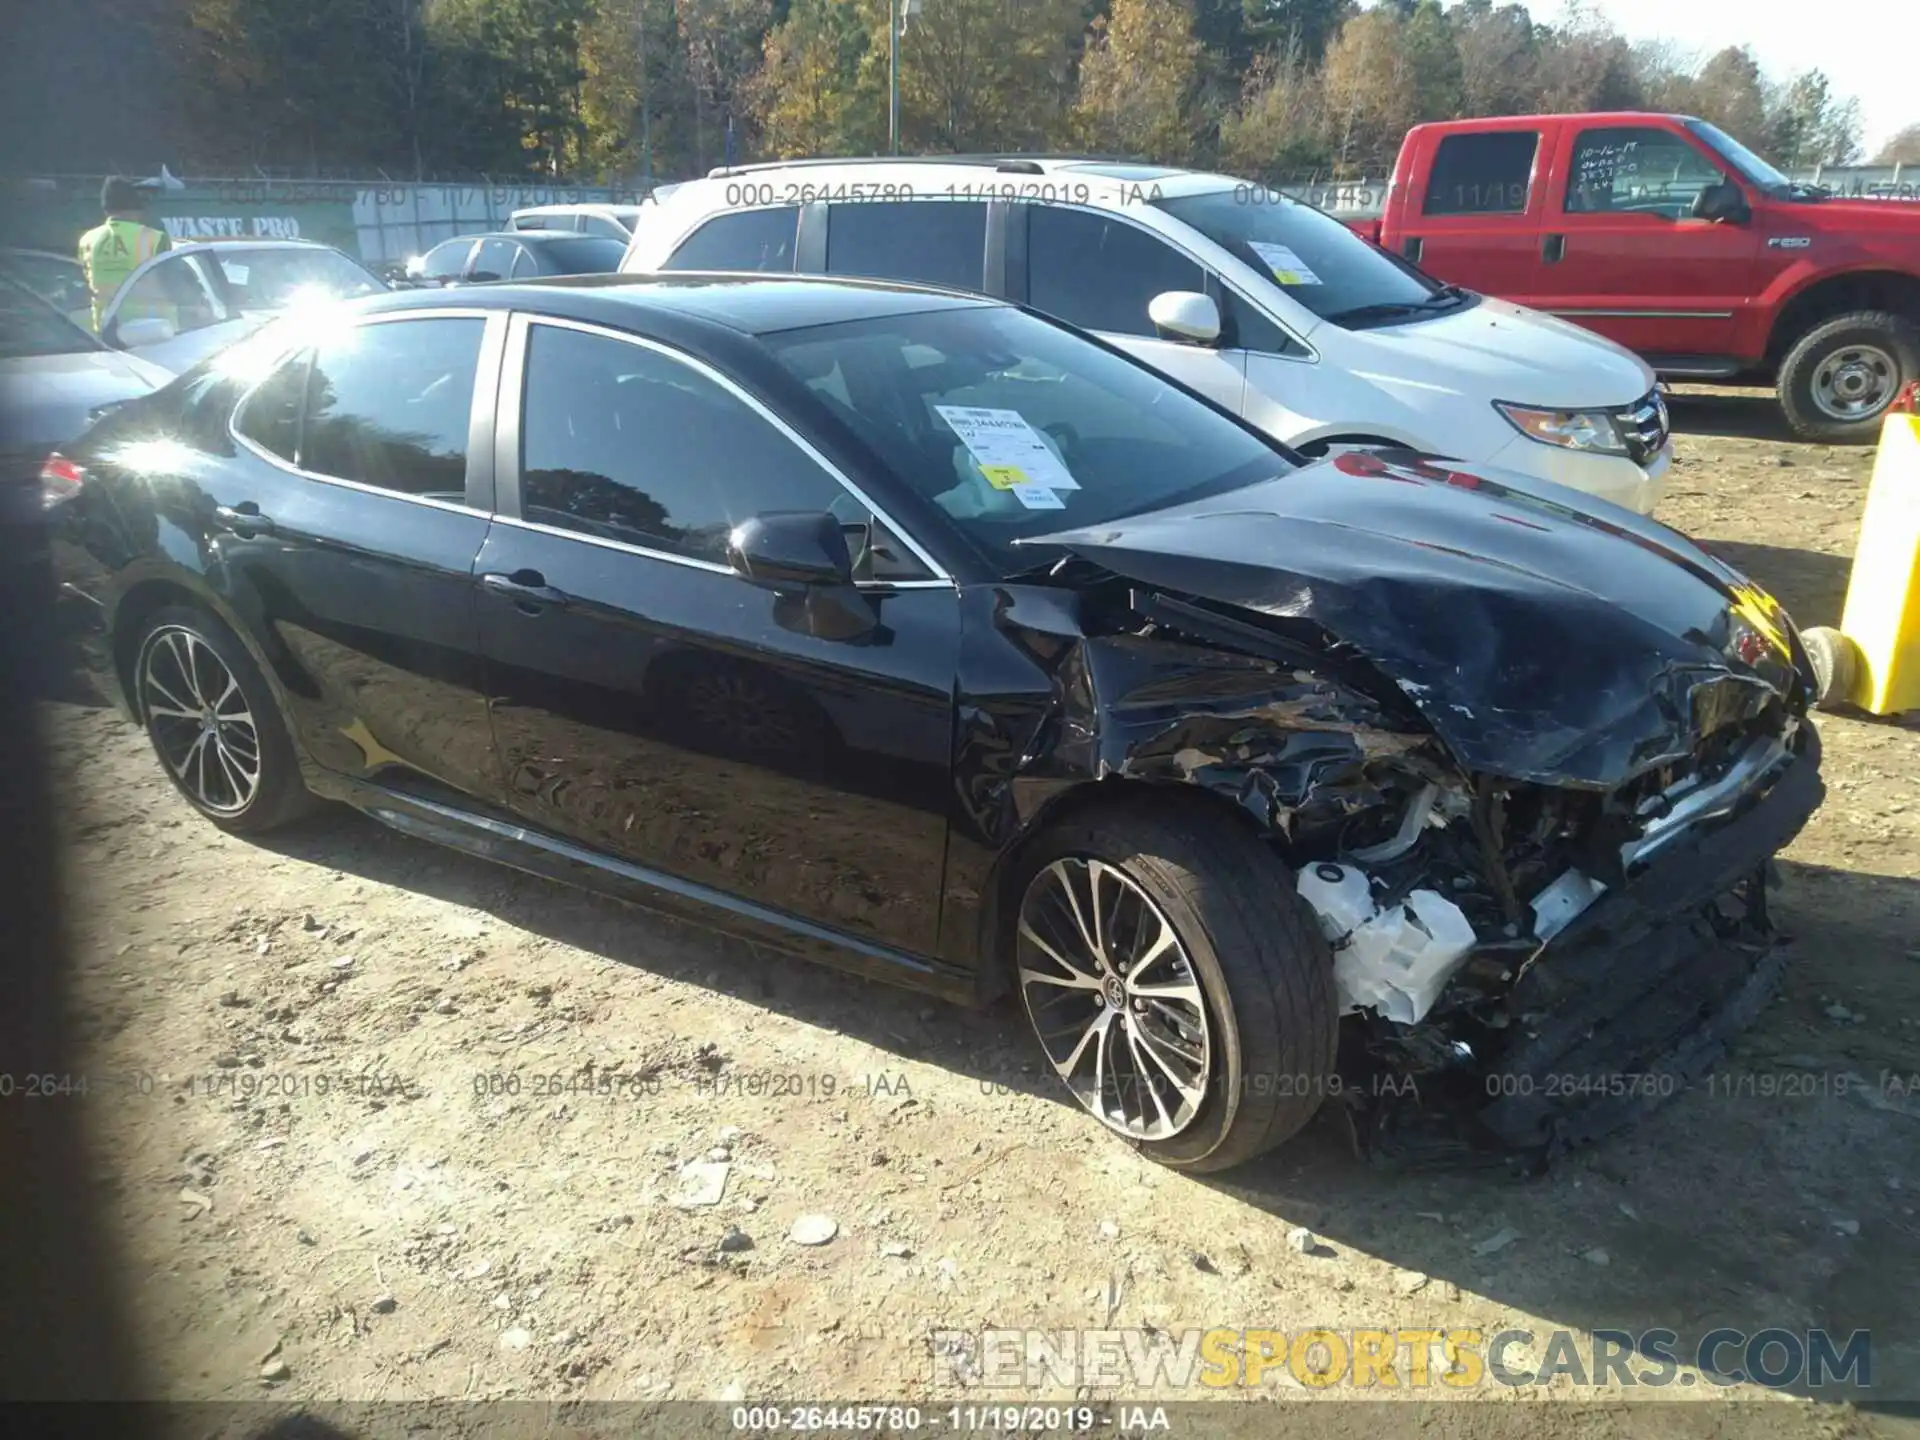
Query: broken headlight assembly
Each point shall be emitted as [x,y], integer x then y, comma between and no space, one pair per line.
[1592,431]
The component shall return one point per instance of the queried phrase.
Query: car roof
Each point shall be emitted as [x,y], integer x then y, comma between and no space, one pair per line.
[1106,178]
[751,304]
[594,207]
[247,242]
[531,237]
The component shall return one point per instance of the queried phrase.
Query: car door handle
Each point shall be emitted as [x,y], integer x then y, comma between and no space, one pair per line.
[1415,246]
[1553,248]
[244,519]
[526,588]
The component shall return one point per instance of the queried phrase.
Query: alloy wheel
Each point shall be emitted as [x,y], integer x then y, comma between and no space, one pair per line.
[1855,382]
[1114,998]
[199,720]
[739,710]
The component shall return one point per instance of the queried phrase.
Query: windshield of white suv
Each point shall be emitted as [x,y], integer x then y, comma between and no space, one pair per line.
[1013,427]
[1315,259]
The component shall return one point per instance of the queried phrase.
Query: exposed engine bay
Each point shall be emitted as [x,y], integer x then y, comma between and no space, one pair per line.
[1532,961]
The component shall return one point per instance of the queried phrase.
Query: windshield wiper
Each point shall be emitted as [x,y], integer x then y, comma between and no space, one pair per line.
[1445,298]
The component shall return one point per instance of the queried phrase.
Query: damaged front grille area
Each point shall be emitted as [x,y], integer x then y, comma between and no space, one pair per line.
[1544,964]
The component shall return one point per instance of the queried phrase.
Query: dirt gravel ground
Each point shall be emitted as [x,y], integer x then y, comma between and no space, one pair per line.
[348,1152]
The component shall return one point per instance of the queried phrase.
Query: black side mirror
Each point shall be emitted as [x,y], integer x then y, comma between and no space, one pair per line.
[1721,202]
[481,277]
[788,549]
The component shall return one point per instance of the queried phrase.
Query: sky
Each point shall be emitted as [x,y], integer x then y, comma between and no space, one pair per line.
[1867,47]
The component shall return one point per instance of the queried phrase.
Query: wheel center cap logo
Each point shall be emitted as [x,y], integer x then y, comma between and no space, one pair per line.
[1116,991]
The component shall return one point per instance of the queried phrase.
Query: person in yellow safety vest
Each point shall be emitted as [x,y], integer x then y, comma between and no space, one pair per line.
[121,244]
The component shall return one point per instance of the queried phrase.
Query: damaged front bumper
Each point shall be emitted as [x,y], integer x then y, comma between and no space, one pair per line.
[1625,1003]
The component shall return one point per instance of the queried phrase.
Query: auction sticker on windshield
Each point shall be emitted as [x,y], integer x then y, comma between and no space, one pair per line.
[1287,267]
[1011,454]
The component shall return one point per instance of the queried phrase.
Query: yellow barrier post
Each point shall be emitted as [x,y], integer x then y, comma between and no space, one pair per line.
[1874,660]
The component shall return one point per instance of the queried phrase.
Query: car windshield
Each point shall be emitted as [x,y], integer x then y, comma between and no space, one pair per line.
[1739,157]
[1315,259]
[583,254]
[267,280]
[30,327]
[1015,428]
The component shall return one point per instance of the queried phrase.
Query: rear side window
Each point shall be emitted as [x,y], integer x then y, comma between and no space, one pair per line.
[494,260]
[581,255]
[623,442]
[389,405]
[1488,174]
[270,416]
[741,240]
[1101,273]
[446,260]
[933,242]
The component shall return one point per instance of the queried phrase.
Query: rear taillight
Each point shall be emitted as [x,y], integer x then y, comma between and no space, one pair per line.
[60,479]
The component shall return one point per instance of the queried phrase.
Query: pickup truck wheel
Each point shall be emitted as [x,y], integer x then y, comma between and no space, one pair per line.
[1178,986]
[1838,381]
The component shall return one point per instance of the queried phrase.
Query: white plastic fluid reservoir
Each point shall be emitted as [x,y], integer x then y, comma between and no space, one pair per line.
[1399,962]
[1340,895]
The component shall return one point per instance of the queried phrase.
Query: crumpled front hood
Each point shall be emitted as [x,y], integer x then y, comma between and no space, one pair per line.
[1543,635]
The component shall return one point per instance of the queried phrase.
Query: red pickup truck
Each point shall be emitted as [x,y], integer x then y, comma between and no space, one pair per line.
[1665,234]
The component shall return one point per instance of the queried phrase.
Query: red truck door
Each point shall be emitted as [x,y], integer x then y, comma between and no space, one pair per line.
[1471,209]
[1622,254]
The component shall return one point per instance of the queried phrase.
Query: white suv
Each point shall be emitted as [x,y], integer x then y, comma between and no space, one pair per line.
[1267,305]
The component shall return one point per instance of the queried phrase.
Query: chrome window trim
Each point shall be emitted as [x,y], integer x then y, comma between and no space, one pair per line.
[513,392]
[496,325]
[690,561]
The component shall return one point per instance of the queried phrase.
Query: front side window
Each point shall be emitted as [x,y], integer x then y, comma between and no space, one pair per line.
[1310,256]
[606,227]
[1637,170]
[172,291]
[741,240]
[1101,273]
[1012,428]
[389,405]
[625,443]
[1482,174]
[270,416]
[930,242]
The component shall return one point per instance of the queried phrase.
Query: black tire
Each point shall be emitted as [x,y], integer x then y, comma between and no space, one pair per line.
[1890,347]
[170,639]
[1254,947]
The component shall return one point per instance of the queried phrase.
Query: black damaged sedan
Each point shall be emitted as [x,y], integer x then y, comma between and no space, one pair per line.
[914,633]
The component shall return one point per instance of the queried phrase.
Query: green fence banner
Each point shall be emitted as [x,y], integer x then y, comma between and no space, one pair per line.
[53,214]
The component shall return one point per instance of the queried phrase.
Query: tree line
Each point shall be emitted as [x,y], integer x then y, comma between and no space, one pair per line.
[619,90]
